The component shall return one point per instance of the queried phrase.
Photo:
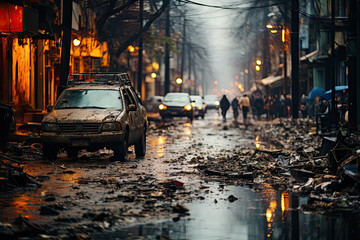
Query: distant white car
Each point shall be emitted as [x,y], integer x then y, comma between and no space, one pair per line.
[200,107]
[212,101]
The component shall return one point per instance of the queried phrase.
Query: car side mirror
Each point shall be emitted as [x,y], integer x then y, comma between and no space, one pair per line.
[49,108]
[132,107]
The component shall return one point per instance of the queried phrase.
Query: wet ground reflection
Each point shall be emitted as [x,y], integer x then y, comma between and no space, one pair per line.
[255,215]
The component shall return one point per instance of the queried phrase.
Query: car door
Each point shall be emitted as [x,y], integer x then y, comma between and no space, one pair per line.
[139,114]
[129,99]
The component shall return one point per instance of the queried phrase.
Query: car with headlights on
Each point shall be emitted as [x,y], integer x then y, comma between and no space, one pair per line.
[95,111]
[176,104]
[212,101]
[199,106]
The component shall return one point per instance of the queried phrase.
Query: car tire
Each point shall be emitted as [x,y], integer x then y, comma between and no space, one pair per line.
[140,146]
[72,152]
[50,151]
[121,150]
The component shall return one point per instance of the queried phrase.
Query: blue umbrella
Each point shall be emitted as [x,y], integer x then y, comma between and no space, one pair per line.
[316,92]
[338,89]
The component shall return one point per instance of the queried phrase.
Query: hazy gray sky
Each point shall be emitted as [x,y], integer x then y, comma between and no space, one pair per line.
[217,27]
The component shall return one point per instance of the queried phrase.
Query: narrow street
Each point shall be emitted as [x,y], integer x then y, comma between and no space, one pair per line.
[162,196]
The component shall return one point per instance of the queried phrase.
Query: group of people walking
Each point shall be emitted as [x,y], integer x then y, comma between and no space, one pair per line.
[272,106]
[242,105]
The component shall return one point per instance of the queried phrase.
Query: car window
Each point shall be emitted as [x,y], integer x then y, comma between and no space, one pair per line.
[90,98]
[129,98]
[176,98]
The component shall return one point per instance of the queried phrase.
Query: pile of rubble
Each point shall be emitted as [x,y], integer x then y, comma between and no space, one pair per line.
[12,175]
[293,159]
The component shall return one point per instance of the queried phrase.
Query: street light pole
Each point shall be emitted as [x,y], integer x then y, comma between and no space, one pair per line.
[140,65]
[295,57]
[167,52]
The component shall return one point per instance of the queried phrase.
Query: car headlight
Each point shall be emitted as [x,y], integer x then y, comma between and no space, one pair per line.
[49,127]
[111,126]
[162,107]
[188,107]
[217,103]
[200,107]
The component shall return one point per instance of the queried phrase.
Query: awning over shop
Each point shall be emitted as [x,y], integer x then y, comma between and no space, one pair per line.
[271,79]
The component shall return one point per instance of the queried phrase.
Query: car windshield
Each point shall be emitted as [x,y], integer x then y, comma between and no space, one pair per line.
[93,98]
[176,98]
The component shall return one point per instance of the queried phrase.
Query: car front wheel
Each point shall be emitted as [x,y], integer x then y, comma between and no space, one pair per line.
[50,151]
[140,146]
[121,150]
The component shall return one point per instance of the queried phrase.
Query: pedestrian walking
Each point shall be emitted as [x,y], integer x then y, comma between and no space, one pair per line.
[259,105]
[224,106]
[288,104]
[235,107]
[303,106]
[245,106]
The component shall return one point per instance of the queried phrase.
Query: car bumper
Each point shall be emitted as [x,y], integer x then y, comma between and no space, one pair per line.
[175,113]
[83,140]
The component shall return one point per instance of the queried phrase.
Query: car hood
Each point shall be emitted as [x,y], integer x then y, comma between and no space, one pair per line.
[175,104]
[81,115]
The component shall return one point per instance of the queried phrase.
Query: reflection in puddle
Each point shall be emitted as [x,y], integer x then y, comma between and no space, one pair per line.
[267,214]
[158,145]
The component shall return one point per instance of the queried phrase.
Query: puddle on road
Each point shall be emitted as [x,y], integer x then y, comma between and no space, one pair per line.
[267,214]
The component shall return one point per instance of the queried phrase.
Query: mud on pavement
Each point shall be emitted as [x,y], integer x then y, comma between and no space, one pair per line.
[74,198]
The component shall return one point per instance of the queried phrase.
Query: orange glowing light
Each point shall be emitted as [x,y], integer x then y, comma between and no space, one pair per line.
[246,71]
[216,82]
[131,48]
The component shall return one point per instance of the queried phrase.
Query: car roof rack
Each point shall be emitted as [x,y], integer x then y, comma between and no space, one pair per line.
[96,78]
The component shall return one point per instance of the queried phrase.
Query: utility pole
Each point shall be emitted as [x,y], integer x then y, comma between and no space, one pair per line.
[140,65]
[295,57]
[183,51]
[266,48]
[195,80]
[333,118]
[358,63]
[286,48]
[352,63]
[189,64]
[167,52]
[66,44]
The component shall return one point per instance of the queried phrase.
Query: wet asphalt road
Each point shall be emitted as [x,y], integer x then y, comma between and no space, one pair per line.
[93,198]
[75,191]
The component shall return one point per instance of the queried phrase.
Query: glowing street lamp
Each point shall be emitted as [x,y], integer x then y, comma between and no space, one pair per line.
[76,42]
[131,48]
[153,75]
[257,68]
[258,61]
[179,80]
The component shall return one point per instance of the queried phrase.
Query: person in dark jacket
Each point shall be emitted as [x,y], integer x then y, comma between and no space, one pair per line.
[224,106]
[235,107]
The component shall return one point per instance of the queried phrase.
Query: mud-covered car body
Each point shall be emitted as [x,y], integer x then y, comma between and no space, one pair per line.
[91,115]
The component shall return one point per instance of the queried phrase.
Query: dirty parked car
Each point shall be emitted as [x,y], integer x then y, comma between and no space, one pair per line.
[95,111]
[176,104]
[199,105]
